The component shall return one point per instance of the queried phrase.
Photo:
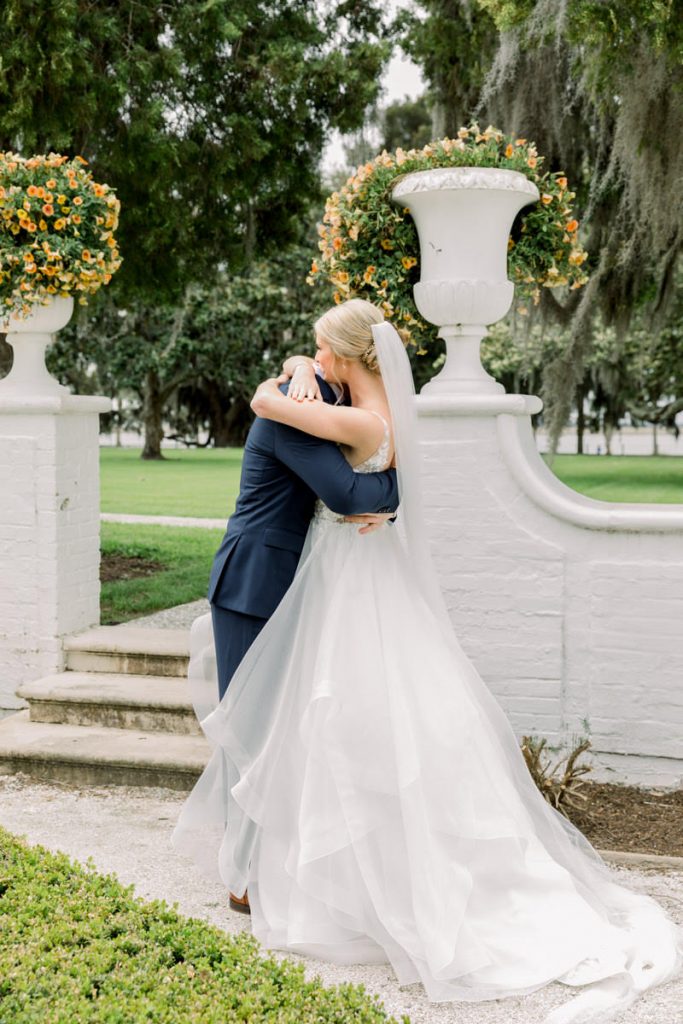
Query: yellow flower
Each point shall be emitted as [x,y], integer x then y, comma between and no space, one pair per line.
[42,225]
[408,262]
[509,149]
[387,244]
[59,223]
[545,199]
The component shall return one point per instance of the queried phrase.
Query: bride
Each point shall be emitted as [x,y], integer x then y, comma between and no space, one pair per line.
[366,787]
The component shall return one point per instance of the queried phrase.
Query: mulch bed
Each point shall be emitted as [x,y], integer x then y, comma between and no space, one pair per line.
[631,820]
[127,567]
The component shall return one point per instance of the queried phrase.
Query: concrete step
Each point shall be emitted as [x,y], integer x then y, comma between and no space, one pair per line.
[146,703]
[133,650]
[96,756]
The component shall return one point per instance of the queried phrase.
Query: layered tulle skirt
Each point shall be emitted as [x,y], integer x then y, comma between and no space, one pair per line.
[369,791]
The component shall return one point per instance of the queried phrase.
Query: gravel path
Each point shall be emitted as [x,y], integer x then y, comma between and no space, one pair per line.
[179,617]
[127,831]
[190,521]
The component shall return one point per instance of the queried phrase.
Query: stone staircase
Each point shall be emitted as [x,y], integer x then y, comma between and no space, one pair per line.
[120,714]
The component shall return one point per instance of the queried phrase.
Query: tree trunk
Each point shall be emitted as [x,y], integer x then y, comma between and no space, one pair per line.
[655,441]
[228,425]
[152,415]
[608,430]
[580,419]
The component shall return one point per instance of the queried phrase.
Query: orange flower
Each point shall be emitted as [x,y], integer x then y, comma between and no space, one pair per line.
[336,243]
[32,190]
[532,161]
[76,218]
[562,182]
[509,149]
[314,267]
[48,209]
[520,142]
[408,262]
[545,199]
[86,255]
[572,225]
[51,183]
[40,192]
[77,201]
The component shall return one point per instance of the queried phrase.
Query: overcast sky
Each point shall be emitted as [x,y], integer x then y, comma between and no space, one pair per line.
[402,78]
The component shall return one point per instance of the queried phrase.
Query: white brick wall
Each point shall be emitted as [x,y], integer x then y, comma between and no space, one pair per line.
[49,533]
[567,624]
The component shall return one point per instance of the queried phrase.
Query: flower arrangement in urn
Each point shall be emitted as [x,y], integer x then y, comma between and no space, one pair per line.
[56,231]
[370,248]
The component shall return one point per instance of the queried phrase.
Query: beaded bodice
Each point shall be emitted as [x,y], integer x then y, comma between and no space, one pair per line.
[374,463]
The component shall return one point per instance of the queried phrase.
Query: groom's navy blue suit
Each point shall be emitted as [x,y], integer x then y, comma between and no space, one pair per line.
[283,471]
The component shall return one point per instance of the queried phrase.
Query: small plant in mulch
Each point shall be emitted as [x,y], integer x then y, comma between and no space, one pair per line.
[559,781]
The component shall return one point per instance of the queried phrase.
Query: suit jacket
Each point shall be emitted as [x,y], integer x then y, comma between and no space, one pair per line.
[283,470]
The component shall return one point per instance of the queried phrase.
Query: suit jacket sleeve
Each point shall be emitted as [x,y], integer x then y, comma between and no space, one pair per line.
[321,465]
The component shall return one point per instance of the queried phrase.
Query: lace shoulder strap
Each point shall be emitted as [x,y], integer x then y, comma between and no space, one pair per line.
[380,417]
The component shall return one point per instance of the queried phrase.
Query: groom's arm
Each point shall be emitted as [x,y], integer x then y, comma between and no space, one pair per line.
[321,465]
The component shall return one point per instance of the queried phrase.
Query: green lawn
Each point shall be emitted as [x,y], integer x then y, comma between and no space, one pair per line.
[206,482]
[639,478]
[187,482]
[186,554]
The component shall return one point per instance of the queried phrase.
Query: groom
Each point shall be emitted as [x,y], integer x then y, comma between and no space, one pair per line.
[283,471]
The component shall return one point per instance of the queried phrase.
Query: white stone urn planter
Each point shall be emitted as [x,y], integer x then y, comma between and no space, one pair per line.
[463,217]
[29,337]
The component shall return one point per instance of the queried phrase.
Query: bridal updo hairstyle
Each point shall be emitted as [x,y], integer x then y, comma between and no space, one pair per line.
[347,329]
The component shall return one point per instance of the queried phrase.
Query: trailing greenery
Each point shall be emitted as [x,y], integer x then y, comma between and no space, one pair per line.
[77,946]
[185,553]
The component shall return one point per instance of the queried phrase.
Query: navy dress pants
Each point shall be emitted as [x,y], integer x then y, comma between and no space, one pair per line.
[233,633]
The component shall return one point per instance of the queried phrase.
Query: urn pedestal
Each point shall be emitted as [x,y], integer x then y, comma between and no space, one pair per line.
[463,217]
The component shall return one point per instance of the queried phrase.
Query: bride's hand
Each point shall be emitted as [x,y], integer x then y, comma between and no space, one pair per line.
[303,385]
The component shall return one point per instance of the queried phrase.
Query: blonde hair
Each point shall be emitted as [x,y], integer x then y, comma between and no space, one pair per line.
[347,328]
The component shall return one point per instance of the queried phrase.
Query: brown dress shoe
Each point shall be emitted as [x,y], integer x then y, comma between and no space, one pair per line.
[240,903]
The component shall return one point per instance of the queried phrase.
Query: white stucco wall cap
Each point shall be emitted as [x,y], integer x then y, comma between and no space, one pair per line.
[56,404]
[541,486]
[478,405]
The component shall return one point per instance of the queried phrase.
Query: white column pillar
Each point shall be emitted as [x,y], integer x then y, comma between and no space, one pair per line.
[49,531]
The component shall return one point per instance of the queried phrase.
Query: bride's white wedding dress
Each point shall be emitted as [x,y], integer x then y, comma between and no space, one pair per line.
[370,792]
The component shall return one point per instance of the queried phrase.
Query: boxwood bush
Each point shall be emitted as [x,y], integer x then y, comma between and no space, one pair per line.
[77,946]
